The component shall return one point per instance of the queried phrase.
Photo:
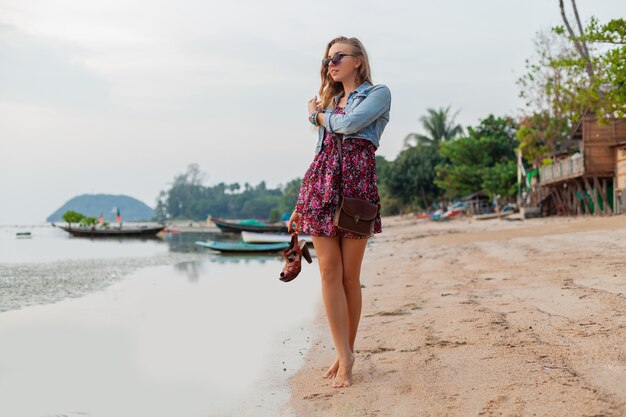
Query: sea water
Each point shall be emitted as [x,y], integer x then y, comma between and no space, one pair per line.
[218,336]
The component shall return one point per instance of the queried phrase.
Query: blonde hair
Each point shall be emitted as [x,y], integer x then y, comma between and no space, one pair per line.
[329,87]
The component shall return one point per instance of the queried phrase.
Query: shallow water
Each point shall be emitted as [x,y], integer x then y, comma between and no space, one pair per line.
[216,337]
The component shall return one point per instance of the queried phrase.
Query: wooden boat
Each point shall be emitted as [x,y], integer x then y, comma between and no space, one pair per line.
[254,237]
[488,216]
[231,226]
[243,247]
[135,231]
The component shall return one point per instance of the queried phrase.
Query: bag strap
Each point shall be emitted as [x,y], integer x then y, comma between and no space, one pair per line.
[339,142]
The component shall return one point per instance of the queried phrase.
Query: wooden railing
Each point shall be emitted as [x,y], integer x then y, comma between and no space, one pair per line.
[562,170]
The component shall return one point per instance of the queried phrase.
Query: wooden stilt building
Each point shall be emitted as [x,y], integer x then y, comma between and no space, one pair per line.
[591,180]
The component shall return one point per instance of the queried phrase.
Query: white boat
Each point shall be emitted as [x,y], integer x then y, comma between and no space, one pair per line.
[488,216]
[254,237]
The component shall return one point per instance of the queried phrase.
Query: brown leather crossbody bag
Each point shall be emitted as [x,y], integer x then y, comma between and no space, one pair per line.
[354,214]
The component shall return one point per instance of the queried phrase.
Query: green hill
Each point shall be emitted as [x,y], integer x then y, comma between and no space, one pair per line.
[91,205]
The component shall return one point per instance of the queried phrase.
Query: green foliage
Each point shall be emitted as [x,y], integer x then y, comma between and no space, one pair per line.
[484,160]
[88,221]
[603,91]
[275,215]
[500,179]
[189,198]
[72,217]
[540,134]
[571,75]
[439,126]
[407,182]
[290,195]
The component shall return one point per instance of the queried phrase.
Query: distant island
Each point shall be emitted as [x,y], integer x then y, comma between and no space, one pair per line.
[92,205]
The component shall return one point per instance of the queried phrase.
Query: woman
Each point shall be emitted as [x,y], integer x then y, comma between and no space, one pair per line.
[357,112]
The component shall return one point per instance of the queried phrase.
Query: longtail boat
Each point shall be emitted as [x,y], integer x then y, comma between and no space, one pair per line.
[243,247]
[134,231]
[233,226]
[254,237]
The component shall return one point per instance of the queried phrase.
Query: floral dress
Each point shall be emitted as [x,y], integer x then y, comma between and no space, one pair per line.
[319,193]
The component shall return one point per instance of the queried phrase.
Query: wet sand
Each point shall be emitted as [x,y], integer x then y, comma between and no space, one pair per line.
[483,318]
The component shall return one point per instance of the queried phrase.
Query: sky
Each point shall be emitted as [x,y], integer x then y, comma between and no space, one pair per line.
[121,96]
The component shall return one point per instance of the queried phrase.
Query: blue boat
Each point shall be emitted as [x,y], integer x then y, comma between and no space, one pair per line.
[243,247]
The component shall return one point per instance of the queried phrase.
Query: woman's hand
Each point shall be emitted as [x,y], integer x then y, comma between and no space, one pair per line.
[295,218]
[313,105]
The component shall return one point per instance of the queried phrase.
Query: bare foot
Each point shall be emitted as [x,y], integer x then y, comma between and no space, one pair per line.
[332,371]
[344,374]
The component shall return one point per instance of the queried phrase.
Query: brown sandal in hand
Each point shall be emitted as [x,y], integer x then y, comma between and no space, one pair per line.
[293,258]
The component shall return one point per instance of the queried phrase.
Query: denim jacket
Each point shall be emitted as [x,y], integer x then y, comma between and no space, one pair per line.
[366,115]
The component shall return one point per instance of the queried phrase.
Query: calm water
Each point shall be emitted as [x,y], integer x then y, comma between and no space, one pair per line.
[214,337]
[51,244]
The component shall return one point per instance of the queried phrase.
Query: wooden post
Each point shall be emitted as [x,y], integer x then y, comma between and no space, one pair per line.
[602,191]
[583,197]
[559,196]
[555,200]
[566,200]
[574,201]
[594,197]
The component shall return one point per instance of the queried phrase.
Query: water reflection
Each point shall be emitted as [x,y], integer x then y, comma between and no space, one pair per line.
[47,243]
[215,342]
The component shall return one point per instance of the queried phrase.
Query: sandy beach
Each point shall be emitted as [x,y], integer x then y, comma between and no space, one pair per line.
[483,318]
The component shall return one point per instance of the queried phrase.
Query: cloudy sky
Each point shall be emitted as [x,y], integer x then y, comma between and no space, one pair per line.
[119,96]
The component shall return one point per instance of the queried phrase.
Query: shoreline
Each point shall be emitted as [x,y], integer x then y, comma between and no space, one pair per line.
[486,318]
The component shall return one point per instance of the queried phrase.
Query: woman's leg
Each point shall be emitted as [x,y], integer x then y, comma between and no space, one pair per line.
[328,250]
[352,251]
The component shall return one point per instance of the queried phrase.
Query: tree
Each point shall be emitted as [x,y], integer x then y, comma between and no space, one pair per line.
[606,94]
[290,195]
[160,212]
[407,182]
[72,217]
[88,221]
[578,40]
[540,135]
[439,127]
[552,94]
[578,69]
[483,160]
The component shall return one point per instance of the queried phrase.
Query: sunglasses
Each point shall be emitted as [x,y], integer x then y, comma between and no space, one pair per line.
[336,59]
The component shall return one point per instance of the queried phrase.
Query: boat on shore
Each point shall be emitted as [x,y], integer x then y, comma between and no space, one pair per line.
[133,231]
[255,237]
[488,216]
[234,226]
[243,247]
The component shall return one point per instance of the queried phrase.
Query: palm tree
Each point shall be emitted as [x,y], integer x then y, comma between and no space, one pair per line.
[439,127]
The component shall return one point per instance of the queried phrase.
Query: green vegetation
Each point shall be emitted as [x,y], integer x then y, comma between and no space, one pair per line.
[440,127]
[72,217]
[576,69]
[189,198]
[483,160]
[407,183]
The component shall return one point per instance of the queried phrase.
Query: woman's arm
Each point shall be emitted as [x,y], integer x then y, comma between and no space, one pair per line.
[371,108]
